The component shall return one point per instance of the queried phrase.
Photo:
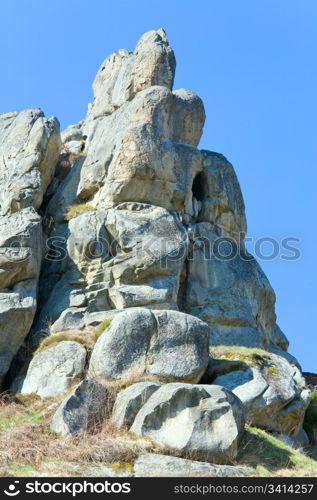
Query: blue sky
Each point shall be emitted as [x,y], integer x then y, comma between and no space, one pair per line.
[253,62]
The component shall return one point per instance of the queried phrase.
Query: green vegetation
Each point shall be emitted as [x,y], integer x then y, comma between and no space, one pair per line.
[98,330]
[28,447]
[32,418]
[250,356]
[76,210]
[120,467]
[271,457]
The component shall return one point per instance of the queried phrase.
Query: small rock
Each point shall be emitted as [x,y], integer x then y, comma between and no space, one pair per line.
[156,465]
[82,410]
[130,401]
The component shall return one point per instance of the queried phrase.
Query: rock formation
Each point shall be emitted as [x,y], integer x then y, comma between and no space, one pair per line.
[121,230]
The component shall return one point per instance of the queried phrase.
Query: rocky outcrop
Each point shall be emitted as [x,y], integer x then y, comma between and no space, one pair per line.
[29,149]
[141,237]
[30,146]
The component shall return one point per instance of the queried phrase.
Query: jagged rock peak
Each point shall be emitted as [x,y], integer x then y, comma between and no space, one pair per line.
[123,74]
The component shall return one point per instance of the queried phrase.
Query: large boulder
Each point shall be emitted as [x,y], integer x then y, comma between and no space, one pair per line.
[271,389]
[82,410]
[205,421]
[53,370]
[170,345]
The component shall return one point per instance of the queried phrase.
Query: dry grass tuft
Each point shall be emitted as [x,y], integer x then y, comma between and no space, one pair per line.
[27,445]
[87,337]
[76,210]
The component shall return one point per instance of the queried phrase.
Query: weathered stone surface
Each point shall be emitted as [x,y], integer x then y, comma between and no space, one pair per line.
[17,309]
[29,146]
[231,294]
[156,465]
[53,370]
[65,194]
[168,344]
[272,390]
[20,247]
[218,190]
[123,74]
[204,420]
[29,149]
[155,222]
[82,410]
[130,401]
[20,260]
[150,247]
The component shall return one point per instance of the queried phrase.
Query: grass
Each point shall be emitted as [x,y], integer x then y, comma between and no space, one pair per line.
[271,457]
[250,356]
[87,337]
[76,210]
[246,354]
[32,418]
[29,448]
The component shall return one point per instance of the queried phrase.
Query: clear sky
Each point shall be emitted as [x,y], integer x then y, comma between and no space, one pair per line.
[253,62]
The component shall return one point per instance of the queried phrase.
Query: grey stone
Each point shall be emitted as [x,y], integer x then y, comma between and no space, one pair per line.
[70,319]
[29,146]
[272,390]
[20,261]
[206,421]
[123,74]
[53,370]
[72,133]
[139,342]
[222,202]
[82,410]
[17,310]
[150,247]
[158,206]
[156,465]
[130,401]
[232,294]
